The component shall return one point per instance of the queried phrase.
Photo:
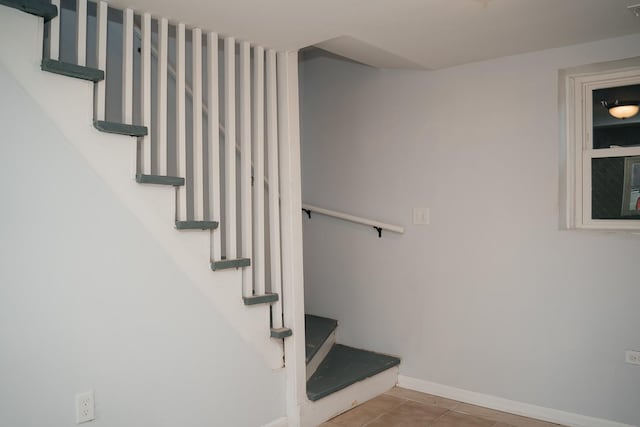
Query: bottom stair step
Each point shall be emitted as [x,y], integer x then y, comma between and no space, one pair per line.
[344,366]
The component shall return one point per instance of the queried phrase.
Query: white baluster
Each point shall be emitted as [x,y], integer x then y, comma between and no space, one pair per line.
[274,190]
[258,260]
[101,54]
[81,32]
[163,55]
[54,33]
[245,163]
[290,194]
[181,126]
[230,146]
[198,148]
[127,66]
[145,65]
[213,139]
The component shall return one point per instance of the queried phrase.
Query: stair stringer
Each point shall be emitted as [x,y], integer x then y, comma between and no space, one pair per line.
[69,103]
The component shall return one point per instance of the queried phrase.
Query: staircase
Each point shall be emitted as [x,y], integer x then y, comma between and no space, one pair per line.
[204,231]
[74,95]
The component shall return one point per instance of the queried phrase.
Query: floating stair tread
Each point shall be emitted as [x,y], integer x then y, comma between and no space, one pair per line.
[260,299]
[344,366]
[230,263]
[40,8]
[281,332]
[160,179]
[72,70]
[120,128]
[196,225]
[316,329]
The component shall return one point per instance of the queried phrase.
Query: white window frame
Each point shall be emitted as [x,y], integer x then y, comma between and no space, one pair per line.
[576,89]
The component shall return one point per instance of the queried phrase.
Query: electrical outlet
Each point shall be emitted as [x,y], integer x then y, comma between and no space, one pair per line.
[84,407]
[632,357]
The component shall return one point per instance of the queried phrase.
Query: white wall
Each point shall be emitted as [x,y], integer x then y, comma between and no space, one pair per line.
[491,297]
[90,300]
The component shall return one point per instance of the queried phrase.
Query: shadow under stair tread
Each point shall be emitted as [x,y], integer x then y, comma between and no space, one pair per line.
[316,329]
[72,70]
[345,366]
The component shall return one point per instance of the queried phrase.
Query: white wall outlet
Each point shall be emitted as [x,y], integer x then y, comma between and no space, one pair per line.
[84,407]
[632,357]
[421,216]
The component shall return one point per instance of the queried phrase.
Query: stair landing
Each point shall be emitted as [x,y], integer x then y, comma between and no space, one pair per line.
[345,366]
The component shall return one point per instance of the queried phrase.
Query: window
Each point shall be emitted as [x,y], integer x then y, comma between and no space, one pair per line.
[601,179]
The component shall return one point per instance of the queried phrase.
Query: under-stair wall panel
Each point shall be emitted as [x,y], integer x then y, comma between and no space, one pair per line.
[167,85]
[155,295]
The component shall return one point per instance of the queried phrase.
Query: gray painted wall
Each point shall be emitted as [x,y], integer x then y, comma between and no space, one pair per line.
[88,300]
[491,297]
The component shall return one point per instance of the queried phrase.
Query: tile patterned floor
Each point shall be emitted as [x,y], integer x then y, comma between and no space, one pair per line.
[407,408]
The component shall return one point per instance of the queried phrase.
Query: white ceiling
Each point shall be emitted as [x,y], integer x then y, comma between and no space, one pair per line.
[406,33]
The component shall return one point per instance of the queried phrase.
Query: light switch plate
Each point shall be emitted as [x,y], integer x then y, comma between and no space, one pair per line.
[421,216]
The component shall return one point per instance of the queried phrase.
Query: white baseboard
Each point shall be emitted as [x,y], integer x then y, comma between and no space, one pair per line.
[280,422]
[505,405]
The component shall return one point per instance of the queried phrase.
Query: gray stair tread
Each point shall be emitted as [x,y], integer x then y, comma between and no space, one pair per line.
[72,70]
[344,366]
[40,8]
[160,179]
[230,263]
[281,332]
[316,329]
[196,225]
[120,128]
[260,299]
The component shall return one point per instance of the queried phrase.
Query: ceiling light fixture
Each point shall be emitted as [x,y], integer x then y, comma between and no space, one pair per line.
[622,109]
[635,9]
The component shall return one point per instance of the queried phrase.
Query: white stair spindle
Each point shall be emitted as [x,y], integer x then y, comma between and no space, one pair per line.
[101,54]
[230,146]
[163,55]
[145,86]
[81,32]
[198,148]
[274,188]
[181,126]
[213,139]
[127,66]
[54,33]
[258,260]
[245,163]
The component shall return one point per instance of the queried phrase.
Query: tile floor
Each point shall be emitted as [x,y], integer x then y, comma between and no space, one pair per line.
[407,408]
